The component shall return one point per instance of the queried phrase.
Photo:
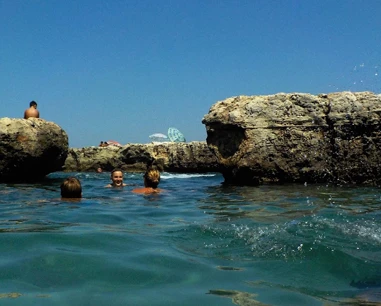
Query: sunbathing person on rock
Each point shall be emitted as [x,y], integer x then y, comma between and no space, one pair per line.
[32,111]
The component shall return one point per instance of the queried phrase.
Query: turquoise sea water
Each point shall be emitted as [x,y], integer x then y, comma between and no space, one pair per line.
[199,243]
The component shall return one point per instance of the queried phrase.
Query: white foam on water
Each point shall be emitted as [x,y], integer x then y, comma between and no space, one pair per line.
[167,176]
[359,231]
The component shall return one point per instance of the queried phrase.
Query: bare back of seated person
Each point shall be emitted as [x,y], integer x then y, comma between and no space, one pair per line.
[32,111]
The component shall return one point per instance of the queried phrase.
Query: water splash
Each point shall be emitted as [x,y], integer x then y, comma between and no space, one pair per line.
[362,77]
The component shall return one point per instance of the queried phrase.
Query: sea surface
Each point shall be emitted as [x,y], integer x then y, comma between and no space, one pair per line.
[197,243]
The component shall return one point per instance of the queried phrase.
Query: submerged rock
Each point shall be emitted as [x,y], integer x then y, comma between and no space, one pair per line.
[297,138]
[30,149]
[169,156]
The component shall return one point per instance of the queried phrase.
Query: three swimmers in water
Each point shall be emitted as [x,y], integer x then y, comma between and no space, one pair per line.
[71,187]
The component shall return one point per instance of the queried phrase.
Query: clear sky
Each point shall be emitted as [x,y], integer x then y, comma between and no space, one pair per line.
[123,70]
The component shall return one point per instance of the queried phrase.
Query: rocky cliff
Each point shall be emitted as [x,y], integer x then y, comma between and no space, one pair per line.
[297,138]
[30,149]
[169,156]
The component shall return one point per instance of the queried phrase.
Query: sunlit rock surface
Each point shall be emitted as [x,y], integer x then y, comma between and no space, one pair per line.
[297,137]
[30,149]
[168,156]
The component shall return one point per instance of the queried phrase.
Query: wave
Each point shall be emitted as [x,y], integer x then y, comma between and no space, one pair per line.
[166,175]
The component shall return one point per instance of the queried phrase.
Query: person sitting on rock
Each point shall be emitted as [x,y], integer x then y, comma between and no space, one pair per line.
[116,178]
[71,188]
[32,111]
[151,181]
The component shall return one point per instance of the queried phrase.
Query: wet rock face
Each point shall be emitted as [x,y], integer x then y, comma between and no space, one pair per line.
[297,138]
[173,157]
[30,149]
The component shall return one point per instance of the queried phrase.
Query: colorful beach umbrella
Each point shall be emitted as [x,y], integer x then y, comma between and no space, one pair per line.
[158,137]
[175,135]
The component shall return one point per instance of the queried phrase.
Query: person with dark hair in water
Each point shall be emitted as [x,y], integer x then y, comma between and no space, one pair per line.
[71,188]
[32,111]
[151,181]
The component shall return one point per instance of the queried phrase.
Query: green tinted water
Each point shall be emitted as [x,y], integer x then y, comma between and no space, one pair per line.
[199,243]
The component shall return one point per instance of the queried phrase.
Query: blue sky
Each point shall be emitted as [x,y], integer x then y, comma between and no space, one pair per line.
[123,70]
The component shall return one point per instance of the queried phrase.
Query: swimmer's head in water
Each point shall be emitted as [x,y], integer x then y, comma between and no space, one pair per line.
[152,178]
[117,177]
[71,188]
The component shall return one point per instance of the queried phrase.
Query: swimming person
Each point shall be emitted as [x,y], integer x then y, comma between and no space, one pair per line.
[151,181]
[116,178]
[32,111]
[71,188]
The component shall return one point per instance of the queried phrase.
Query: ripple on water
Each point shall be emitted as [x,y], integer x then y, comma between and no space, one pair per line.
[200,243]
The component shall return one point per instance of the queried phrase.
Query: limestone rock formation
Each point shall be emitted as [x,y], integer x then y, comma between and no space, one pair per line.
[168,156]
[297,138]
[30,149]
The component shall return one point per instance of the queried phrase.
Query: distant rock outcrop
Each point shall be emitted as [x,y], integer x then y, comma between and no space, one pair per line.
[30,149]
[297,138]
[168,156]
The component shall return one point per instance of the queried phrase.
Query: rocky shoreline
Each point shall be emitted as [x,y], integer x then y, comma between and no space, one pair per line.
[30,149]
[191,157]
[297,137]
[281,138]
